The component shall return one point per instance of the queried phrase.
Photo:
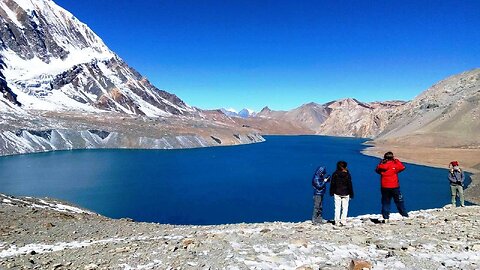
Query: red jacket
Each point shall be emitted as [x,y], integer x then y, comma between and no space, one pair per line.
[389,171]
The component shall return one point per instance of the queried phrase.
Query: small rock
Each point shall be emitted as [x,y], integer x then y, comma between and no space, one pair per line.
[304,267]
[299,242]
[122,249]
[390,253]
[57,265]
[358,239]
[48,225]
[265,230]
[91,266]
[475,247]
[187,242]
[449,263]
[359,265]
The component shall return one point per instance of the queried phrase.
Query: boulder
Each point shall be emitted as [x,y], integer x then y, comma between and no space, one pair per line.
[359,265]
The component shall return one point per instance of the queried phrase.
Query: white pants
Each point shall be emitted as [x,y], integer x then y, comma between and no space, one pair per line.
[341,205]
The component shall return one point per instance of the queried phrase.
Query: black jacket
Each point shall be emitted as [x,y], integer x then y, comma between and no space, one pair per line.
[341,184]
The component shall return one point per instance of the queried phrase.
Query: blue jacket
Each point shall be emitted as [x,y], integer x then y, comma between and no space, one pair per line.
[320,180]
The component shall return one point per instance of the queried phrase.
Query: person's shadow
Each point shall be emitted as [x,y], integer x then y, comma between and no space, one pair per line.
[376,221]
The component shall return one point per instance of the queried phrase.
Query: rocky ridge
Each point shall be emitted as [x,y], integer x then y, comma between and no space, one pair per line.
[446,115]
[344,117]
[48,234]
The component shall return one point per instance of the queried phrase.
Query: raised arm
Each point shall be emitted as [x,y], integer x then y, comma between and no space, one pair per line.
[399,167]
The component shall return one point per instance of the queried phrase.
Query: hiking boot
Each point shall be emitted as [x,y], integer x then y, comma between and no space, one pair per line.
[319,222]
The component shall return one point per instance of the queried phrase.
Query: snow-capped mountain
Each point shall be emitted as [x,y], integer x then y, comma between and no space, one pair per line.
[52,61]
[229,112]
[244,113]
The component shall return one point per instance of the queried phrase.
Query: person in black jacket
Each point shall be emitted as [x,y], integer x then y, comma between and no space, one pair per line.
[342,190]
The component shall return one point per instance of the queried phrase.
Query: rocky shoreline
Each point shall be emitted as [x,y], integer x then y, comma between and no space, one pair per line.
[49,131]
[48,234]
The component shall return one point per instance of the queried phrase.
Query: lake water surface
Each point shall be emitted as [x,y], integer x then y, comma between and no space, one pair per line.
[268,181]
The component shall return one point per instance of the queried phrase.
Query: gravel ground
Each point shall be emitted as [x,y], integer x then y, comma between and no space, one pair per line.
[48,234]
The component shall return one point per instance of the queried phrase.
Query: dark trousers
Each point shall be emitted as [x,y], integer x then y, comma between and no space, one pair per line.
[317,208]
[387,195]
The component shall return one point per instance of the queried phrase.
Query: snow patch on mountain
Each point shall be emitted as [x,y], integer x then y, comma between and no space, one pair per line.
[244,113]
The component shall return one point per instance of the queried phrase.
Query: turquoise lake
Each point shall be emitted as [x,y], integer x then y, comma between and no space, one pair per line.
[269,181]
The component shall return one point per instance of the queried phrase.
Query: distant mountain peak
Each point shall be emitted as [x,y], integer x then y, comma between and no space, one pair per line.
[244,113]
[265,109]
[55,62]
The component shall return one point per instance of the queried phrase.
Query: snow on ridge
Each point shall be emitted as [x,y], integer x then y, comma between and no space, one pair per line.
[18,69]
[42,204]
[11,14]
[27,4]
[58,16]
[244,113]
[46,248]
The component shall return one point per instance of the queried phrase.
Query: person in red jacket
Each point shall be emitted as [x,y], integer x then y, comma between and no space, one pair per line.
[389,168]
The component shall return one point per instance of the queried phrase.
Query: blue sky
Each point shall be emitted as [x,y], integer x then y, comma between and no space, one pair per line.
[282,54]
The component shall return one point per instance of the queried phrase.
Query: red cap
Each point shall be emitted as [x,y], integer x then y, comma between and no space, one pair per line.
[454,163]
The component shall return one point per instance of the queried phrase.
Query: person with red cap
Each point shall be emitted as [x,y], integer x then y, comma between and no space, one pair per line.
[456,178]
[389,168]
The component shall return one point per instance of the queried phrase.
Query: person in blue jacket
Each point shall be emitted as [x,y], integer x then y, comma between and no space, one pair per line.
[319,183]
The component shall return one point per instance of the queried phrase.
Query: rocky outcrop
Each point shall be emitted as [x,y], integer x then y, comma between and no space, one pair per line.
[445,115]
[310,116]
[5,91]
[350,117]
[112,85]
[50,234]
